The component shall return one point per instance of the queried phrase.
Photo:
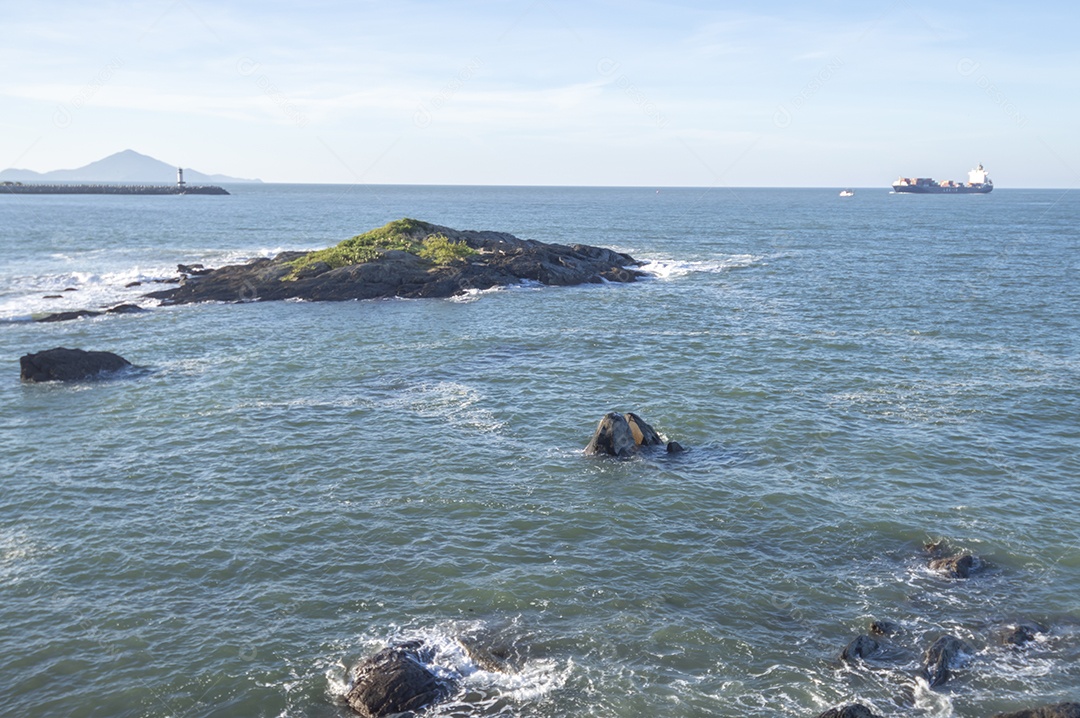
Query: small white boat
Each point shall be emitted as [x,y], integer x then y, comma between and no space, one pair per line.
[847,193]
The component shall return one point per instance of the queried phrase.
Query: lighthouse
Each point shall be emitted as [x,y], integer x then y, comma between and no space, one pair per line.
[179,178]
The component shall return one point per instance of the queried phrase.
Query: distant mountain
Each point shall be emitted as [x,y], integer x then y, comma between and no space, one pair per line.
[127,167]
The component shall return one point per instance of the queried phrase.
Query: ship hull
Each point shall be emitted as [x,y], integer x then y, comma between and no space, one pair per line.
[936,189]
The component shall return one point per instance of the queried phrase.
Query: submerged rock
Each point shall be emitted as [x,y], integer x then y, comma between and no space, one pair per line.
[62,364]
[621,435]
[860,647]
[1018,634]
[1058,710]
[851,710]
[945,655]
[403,259]
[883,628]
[125,309]
[68,316]
[395,680]
[493,651]
[80,313]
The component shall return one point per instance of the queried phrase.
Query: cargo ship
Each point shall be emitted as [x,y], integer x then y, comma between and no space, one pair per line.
[979,182]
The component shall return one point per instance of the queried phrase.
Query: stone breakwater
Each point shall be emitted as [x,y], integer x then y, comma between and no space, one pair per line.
[17,188]
[393,261]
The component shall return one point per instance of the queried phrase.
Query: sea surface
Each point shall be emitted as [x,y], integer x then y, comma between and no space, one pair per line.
[282,488]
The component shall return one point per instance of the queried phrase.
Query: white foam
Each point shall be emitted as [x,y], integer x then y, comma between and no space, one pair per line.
[458,404]
[671,268]
[23,297]
[931,703]
[17,549]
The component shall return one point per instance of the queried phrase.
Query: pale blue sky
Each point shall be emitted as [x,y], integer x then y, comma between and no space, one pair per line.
[549,92]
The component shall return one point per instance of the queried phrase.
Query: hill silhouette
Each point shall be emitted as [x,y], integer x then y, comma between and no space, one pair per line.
[126,167]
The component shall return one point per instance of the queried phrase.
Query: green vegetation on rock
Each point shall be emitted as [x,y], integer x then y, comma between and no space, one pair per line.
[441,250]
[406,235]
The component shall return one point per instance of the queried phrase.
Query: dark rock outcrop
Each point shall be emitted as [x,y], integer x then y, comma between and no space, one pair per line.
[395,680]
[945,655]
[1058,710]
[62,364]
[960,566]
[621,435]
[500,259]
[860,647]
[851,710]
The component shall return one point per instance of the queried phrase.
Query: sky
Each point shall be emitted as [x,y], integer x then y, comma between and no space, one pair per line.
[549,92]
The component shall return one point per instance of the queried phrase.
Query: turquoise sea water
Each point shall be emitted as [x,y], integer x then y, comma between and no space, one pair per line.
[284,488]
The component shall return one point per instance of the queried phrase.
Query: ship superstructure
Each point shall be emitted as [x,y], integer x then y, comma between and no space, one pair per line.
[979,182]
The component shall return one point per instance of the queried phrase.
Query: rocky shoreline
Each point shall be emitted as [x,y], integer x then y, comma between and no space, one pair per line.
[406,258]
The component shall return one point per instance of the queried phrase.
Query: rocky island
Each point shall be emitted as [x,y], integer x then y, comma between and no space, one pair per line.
[405,258]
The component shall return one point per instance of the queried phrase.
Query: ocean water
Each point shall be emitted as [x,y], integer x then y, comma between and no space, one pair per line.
[283,488]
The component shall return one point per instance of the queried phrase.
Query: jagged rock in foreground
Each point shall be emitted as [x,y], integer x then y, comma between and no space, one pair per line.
[395,680]
[62,364]
[405,258]
[851,710]
[621,435]
[1059,710]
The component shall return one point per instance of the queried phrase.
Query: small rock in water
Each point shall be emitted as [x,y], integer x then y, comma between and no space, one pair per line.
[960,566]
[125,309]
[70,289]
[1020,633]
[132,284]
[613,437]
[621,435]
[860,647]
[941,658]
[492,654]
[883,628]
[675,447]
[68,316]
[395,680]
[52,296]
[62,364]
